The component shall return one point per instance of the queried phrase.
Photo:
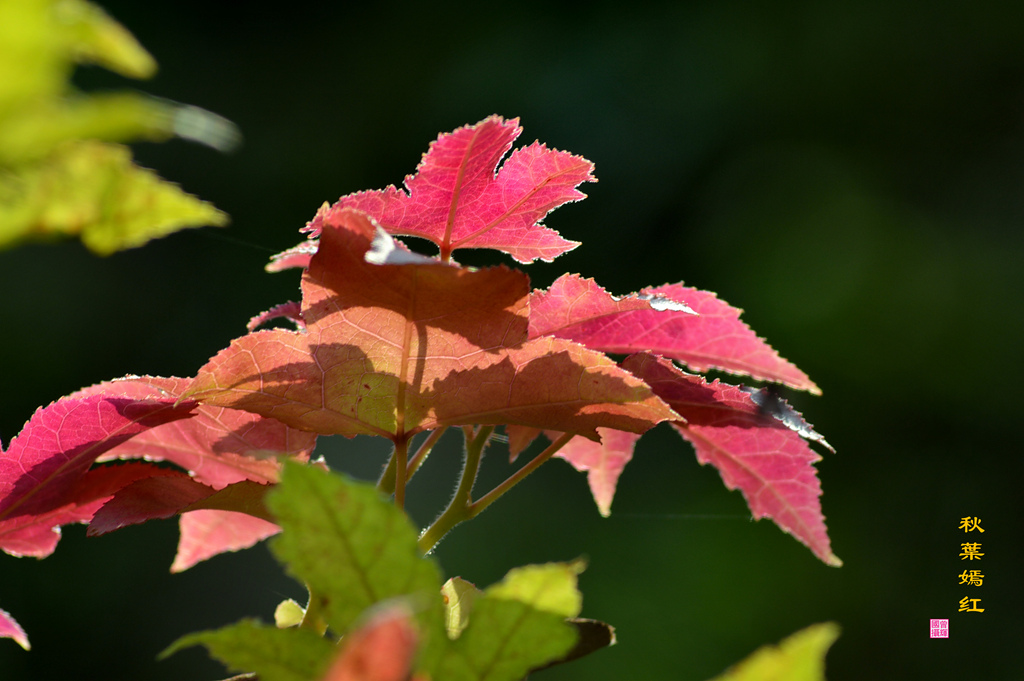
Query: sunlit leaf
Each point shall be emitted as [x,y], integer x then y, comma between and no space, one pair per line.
[457,199]
[801,657]
[352,547]
[392,350]
[675,321]
[11,629]
[770,463]
[274,654]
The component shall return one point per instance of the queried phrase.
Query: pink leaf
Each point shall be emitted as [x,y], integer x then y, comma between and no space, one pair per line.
[603,462]
[767,460]
[37,535]
[42,470]
[382,649]
[519,438]
[290,311]
[578,309]
[207,533]
[11,629]
[456,199]
[148,499]
[218,446]
[211,521]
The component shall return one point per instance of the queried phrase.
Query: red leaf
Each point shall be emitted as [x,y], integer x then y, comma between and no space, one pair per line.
[578,309]
[392,350]
[603,462]
[380,650]
[11,629]
[211,521]
[149,499]
[41,473]
[290,311]
[519,438]
[218,446]
[769,462]
[456,199]
[37,535]
[207,533]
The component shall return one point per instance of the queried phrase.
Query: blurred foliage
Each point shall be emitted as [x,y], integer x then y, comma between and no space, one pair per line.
[56,177]
[801,657]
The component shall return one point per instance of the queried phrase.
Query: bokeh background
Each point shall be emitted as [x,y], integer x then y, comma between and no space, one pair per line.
[849,173]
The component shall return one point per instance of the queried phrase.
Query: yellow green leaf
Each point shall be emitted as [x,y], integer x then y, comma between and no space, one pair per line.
[459,596]
[92,189]
[801,657]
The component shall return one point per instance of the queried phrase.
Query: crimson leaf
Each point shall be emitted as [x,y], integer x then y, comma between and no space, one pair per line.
[457,200]
[767,460]
[653,321]
[42,471]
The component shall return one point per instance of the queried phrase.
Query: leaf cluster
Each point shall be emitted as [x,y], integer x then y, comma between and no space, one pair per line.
[402,345]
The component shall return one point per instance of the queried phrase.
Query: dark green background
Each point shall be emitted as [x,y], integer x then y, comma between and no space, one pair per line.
[850,174]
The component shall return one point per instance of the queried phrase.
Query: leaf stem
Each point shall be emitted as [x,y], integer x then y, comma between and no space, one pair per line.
[486,500]
[401,459]
[386,484]
[423,451]
[458,507]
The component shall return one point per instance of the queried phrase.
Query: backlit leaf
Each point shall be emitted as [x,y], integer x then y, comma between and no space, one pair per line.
[801,657]
[291,654]
[603,461]
[347,543]
[11,629]
[769,462]
[42,470]
[457,200]
[207,533]
[217,446]
[382,649]
[93,190]
[516,625]
[653,321]
[392,350]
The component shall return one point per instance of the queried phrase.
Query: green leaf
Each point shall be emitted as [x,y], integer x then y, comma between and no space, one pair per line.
[56,179]
[459,597]
[93,189]
[288,613]
[41,40]
[91,36]
[801,657]
[515,626]
[273,654]
[348,544]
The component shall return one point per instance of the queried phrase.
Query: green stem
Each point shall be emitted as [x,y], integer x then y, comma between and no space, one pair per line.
[424,450]
[458,507]
[386,484]
[401,459]
[486,500]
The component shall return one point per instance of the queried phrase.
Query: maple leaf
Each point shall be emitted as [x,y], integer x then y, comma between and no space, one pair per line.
[44,481]
[382,649]
[392,350]
[9,628]
[457,200]
[603,461]
[660,320]
[764,457]
[208,532]
[217,446]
